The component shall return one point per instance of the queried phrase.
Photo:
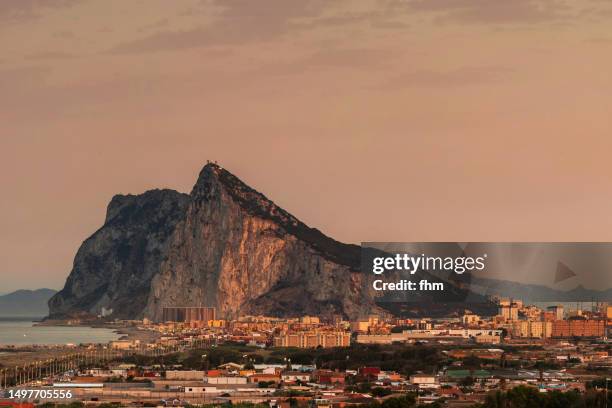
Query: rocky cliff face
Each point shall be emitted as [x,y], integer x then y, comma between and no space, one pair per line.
[114,267]
[224,245]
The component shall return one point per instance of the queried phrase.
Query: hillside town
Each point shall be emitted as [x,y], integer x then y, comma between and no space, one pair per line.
[192,357]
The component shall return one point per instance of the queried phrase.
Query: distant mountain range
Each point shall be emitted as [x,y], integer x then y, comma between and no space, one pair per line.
[26,303]
[537,293]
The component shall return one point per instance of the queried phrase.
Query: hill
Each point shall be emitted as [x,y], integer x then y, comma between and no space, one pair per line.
[26,303]
[537,293]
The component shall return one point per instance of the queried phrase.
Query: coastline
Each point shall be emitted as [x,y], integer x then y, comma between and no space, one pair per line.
[17,354]
[124,332]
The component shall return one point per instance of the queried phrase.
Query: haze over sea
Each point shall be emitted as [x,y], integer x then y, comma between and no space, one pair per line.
[22,331]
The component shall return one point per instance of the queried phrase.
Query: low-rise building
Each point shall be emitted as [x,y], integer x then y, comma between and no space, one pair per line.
[225,380]
[578,328]
[124,344]
[424,380]
[329,377]
[263,377]
[294,376]
[189,375]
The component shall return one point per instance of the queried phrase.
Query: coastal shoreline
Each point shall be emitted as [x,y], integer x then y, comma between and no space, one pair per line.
[124,332]
[19,354]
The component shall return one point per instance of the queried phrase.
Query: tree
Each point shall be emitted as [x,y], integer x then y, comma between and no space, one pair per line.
[405,401]
[472,361]
[380,391]
[467,381]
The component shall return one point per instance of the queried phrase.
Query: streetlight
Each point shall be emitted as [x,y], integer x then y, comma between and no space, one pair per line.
[205,361]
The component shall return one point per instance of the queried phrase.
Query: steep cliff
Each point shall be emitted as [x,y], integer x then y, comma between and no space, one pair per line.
[113,268]
[238,251]
[224,245]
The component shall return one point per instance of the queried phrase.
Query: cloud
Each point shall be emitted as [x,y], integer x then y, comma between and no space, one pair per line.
[20,78]
[490,11]
[599,40]
[459,77]
[235,22]
[350,57]
[176,40]
[163,22]
[63,34]
[50,55]
[20,10]
[374,18]
[598,11]
[359,58]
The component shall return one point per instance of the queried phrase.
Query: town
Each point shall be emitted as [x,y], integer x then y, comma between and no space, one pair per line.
[191,357]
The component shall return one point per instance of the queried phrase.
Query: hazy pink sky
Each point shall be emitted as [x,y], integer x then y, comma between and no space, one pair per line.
[389,120]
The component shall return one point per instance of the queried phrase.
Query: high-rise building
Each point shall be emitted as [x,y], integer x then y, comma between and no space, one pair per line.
[532,329]
[508,309]
[557,311]
[188,314]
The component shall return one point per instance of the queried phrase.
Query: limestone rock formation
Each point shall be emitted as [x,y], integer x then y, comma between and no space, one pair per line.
[236,250]
[113,268]
[228,246]
[224,245]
